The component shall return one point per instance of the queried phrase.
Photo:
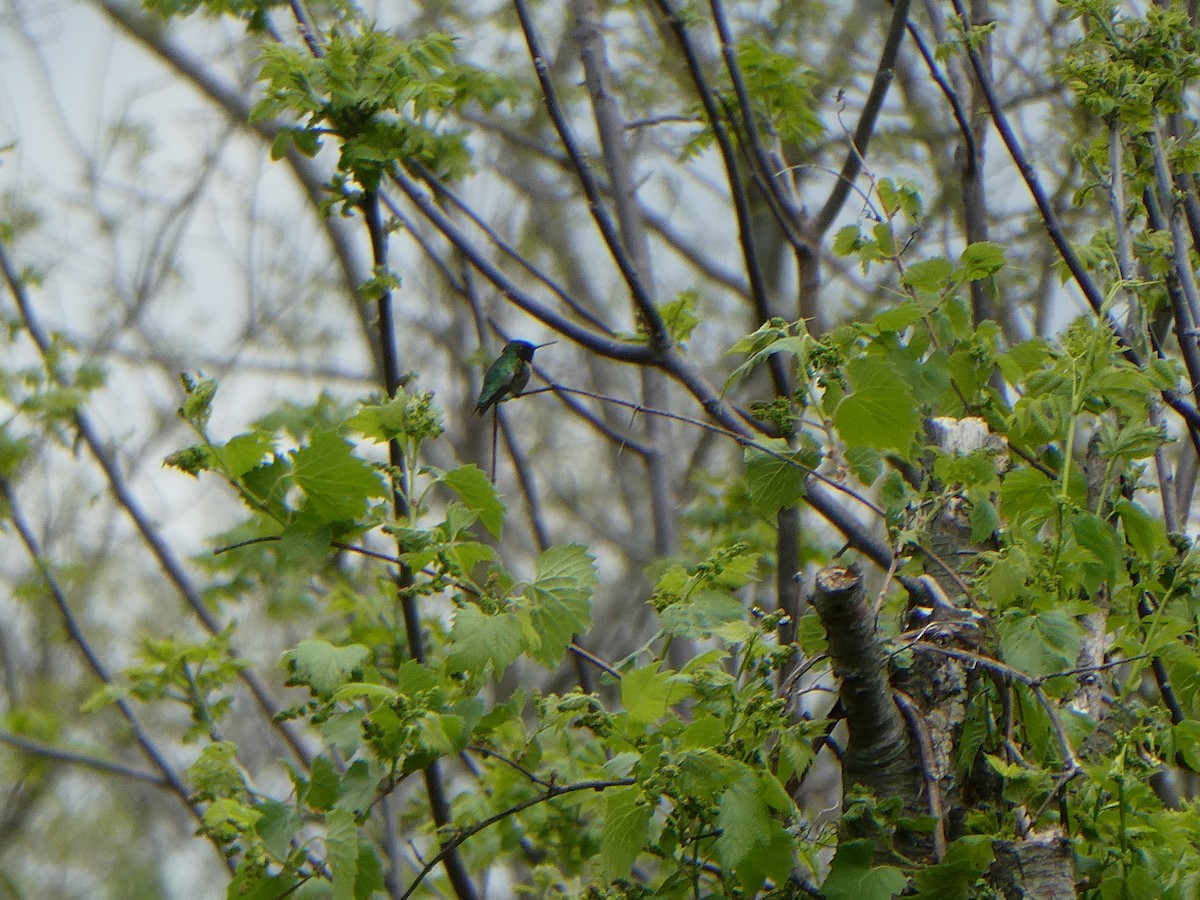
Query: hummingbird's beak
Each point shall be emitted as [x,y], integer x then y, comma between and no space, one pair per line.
[547,344]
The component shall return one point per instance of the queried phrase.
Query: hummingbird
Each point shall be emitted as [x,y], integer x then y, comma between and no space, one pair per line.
[508,375]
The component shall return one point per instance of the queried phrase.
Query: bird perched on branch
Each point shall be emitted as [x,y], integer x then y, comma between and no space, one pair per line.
[508,375]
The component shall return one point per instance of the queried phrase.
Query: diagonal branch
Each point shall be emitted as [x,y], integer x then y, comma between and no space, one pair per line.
[861,140]
[655,327]
[162,553]
[467,833]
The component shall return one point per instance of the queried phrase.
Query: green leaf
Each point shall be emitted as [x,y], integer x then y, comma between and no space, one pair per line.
[865,463]
[478,639]
[772,858]
[1105,548]
[1186,736]
[1040,644]
[246,451]
[323,666]
[13,451]
[337,483]
[1147,534]
[981,260]
[280,144]
[965,861]
[898,317]
[847,240]
[626,830]
[797,345]
[1005,579]
[705,773]
[341,843]
[680,316]
[216,772]
[277,825]
[852,877]
[774,482]
[985,521]
[648,694]
[356,790]
[369,878]
[323,783]
[1026,495]
[413,417]
[355,690]
[882,412]
[743,820]
[928,275]
[700,614]
[251,884]
[303,547]
[479,494]
[558,602]
[197,407]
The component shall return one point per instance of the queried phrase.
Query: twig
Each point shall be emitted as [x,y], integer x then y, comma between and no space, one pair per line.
[884,73]
[166,559]
[656,328]
[467,833]
[75,758]
[924,741]
[601,345]
[740,438]
[737,191]
[1034,683]
[510,251]
[74,631]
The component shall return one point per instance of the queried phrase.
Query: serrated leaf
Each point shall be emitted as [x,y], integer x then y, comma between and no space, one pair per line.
[700,614]
[981,260]
[881,412]
[479,494]
[338,484]
[341,843]
[773,858]
[679,316]
[928,275]
[1105,548]
[648,694]
[796,345]
[898,317]
[706,773]
[1145,533]
[216,771]
[865,463]
[246,451]
[303,547]
[847,240]
[776,482]
[357,690]
[743,820]
[558,602]
[985,521]
[952,879]
[477,639]
[852,877]
[323,666]
[626,830]
[1040,644]
[277,825]
[1027,495]
[356,790]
